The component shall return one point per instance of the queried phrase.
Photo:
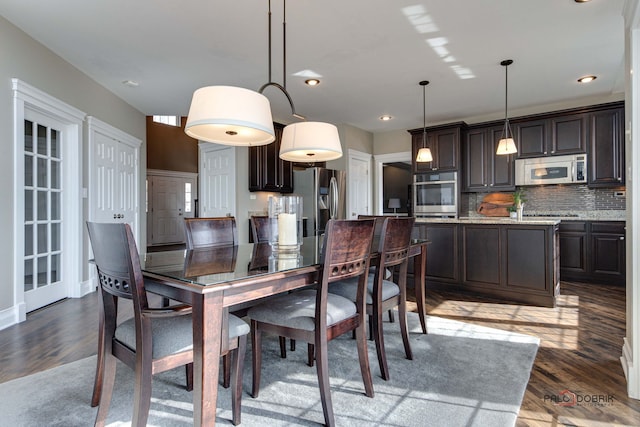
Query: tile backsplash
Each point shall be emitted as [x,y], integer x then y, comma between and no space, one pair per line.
[556,198]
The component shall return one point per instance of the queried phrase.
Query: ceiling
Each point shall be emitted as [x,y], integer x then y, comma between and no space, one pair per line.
[369,54]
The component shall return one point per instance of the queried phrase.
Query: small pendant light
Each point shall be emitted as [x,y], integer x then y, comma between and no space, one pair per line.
[424,154]
[506,145]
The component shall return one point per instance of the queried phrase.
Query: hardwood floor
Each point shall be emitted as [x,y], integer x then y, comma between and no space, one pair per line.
[581,341]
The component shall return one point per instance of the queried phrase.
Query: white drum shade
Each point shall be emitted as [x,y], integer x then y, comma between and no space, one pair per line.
[230,115]
[310,142]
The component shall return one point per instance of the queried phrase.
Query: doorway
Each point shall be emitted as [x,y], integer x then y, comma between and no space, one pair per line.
[381,199]
[170,198]
[47,210]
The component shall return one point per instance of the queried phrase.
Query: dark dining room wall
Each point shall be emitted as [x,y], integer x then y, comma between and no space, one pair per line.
[169,148]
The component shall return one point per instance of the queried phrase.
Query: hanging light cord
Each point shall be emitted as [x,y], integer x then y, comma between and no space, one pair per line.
[282,87]
[424,84]
[507,126]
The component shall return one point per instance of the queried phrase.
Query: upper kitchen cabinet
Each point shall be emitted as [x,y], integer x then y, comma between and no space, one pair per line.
[482,169]
[606,147]
[553,136]
[444,143]
[267,172]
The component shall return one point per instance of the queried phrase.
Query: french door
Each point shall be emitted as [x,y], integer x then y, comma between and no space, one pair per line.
[47,206]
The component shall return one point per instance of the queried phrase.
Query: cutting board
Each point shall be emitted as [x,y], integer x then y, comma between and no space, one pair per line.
[495,204]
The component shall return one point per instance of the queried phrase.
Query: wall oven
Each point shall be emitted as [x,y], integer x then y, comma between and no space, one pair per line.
[435,194]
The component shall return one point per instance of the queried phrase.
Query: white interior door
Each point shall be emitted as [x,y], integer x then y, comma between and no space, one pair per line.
[359,178]
[217,180]
[114,164]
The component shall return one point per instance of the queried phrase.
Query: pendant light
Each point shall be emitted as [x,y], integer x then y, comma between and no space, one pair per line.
[506,145]
[230,115]
[306,142]
[424,154]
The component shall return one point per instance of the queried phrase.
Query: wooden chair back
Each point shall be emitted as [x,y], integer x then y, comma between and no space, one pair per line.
[118,264]
[260,228]
[345,254]
[394,246]
[207,232]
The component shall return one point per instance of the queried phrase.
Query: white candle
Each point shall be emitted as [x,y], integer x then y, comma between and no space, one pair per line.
[287,229]
[287,263]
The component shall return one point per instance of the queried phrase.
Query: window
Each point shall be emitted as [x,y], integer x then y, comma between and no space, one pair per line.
[167,120]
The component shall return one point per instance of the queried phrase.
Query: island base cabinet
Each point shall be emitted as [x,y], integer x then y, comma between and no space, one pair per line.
[508,262]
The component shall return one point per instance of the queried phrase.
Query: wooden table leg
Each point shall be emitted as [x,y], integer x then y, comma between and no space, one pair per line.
[419,270]
[207,324]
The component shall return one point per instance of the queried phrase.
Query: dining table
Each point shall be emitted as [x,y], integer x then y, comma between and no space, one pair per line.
[214,280]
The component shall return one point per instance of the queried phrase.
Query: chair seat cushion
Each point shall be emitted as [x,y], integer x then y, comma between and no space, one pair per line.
[387,272]
[297,310]
[348,288]
[172,334]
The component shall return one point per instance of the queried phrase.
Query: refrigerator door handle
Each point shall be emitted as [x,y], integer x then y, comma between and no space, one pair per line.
[333,197]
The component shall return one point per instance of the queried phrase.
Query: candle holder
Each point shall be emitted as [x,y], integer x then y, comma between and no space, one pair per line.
[285,217]
[284,261]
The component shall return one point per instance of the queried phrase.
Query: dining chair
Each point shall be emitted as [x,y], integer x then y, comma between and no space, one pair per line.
[206,232]
[317,316]
[155,339]
[260,228]
[383,294]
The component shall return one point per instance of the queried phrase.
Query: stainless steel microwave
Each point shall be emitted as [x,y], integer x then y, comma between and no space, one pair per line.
[571,169]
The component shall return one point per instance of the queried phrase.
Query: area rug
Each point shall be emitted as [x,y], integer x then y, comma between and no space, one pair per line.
[461,375]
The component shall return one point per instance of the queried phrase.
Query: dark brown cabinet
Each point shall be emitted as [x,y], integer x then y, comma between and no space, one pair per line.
[483,169]
[606,148]
[444,143]
[443,262]
[267,172]
[559,135]
[516,262]
[593,251]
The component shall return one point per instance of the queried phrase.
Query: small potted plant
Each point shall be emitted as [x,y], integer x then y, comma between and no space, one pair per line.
[518,202]
[512,212]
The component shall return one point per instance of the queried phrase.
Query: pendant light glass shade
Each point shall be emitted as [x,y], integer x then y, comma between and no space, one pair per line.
[310,142]
[424,153]
[230,115]
[506,145]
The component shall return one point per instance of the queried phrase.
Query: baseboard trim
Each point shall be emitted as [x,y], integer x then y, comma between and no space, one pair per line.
[630,371]
[11,316]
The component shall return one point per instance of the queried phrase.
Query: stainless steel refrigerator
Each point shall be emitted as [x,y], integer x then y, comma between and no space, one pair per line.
[324,197]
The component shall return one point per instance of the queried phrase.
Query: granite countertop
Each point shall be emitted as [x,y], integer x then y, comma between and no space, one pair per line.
[491,220]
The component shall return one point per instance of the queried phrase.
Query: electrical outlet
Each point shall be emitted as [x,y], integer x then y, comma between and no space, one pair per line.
[252,197]
[620,193]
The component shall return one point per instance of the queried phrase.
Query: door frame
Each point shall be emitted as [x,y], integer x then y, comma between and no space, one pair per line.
[27,97]
[149,194]
[366,157]
[379,161]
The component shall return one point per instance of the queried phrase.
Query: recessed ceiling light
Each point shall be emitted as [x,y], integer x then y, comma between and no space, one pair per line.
[586,79]
[312,82]
[386,118]
[130,83]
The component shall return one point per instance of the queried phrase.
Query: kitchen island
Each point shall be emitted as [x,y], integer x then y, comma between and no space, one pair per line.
[506,259]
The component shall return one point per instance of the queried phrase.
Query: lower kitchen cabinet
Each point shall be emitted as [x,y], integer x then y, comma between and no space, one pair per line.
[443,263]
[507,261]
[593,252]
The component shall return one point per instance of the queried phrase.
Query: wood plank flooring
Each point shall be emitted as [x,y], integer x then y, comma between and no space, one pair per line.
[581,341]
